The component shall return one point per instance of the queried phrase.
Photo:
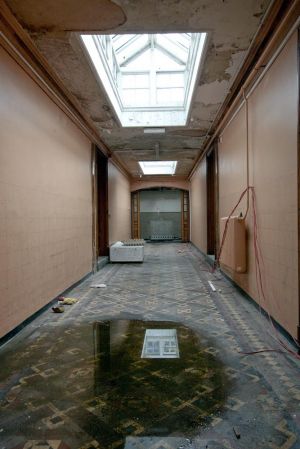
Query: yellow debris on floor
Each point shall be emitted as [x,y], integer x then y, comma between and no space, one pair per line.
[68,301]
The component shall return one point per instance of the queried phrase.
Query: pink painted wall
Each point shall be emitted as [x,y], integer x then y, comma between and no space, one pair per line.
[45,198]
[198,207]
[273,115]
[119,205]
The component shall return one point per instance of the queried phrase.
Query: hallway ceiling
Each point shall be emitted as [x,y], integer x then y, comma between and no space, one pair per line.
[55,25]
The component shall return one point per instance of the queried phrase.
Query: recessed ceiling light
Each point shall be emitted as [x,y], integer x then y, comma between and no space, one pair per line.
[158,167]
[154,131]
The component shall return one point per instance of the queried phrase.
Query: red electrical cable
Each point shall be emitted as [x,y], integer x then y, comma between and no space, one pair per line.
[258,271]
[259,280]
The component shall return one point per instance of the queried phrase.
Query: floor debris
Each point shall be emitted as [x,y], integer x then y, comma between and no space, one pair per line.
[98,286]
[67,301]
[212,286]
[59,309]
[67,363]
[237,432]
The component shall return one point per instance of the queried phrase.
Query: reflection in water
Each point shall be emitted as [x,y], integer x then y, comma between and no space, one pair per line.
[101,352]
[145,396]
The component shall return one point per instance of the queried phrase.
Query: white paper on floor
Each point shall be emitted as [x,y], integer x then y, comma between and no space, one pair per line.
[98,286]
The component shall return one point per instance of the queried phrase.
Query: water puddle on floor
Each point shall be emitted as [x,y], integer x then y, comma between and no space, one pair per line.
[114,379]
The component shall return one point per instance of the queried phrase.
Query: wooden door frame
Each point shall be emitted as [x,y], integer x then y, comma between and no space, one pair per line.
[94,207]
[298,169]
[212,200]
[185,224]
[102,205]
[99,212]
[135,221]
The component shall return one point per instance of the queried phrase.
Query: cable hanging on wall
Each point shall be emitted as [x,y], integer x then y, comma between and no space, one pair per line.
[258,257]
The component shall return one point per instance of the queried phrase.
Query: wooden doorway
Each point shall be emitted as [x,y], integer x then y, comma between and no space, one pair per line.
[102,204]
[211,192]
[141,219]
[135,215]
[185,216]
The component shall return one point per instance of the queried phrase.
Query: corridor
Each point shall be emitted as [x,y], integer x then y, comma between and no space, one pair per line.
[77,379]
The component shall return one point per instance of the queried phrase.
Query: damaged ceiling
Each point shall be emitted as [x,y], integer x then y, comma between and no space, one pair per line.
[231,24]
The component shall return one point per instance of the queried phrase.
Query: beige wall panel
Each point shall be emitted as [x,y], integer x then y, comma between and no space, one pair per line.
[273,115]
[198,207]
[233,168]
[119,205]
[45,198]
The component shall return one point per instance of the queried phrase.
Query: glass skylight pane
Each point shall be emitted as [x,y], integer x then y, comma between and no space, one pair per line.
[119,40]
[170,96]
[173,48]
[150,72]
[158,167]
[135,81]
[141,62]
[181,39]
[141,97]
[155,59]
[128,97]
[142,80]
[131,48]
[128,81]
[135,97]
[163,61]
[170,80]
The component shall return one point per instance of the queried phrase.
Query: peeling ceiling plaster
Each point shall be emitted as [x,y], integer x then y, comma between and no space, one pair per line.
[68,15]
[231,25]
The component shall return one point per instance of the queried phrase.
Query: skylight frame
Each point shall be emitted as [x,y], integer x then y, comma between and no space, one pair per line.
[167,167]
[146,115]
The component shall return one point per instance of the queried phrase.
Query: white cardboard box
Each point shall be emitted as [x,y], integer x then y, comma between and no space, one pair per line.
[118,252]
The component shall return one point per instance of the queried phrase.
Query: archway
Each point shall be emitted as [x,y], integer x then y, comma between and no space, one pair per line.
[161,214]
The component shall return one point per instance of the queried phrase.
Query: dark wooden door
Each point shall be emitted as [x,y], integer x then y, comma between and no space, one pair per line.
[135,215]
[211,201]
[102,203]
[185,216]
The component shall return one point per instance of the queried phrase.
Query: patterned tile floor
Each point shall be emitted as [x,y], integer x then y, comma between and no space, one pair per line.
[60,388]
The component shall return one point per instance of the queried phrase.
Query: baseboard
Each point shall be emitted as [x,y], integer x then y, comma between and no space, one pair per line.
[207,258]
[278,326]
[102,261]
[32,317]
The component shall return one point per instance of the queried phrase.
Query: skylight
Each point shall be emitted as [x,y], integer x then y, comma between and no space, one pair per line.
[149,78]
[158,167]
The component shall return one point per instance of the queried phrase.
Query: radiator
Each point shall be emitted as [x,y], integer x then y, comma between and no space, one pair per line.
[233,253]
[162,237]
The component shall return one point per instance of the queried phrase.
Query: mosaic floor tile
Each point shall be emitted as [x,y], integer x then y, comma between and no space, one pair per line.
[59,390]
